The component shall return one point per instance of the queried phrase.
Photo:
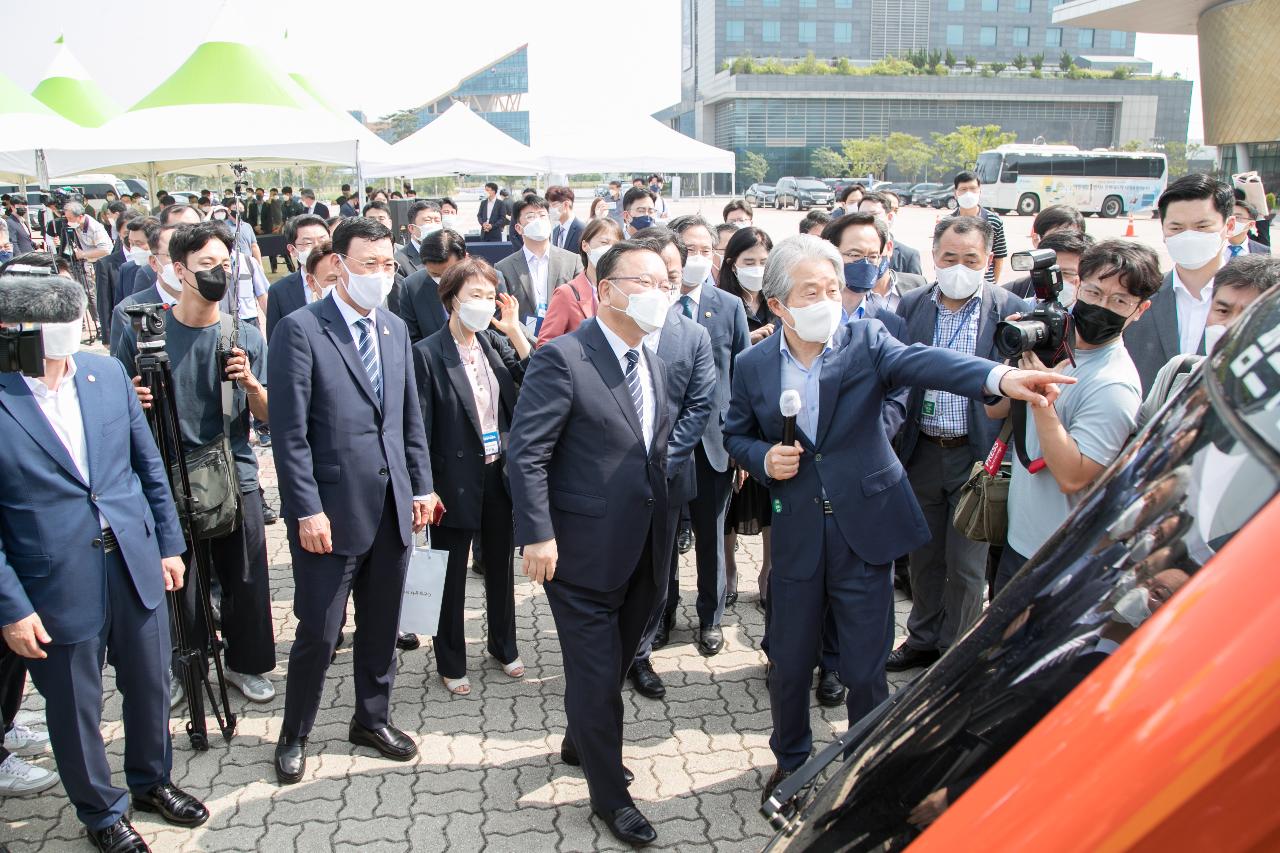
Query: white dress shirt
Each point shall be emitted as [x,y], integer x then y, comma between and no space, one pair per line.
[620,348]
[1193,313]
[351,316]
[538,269]
[61,409]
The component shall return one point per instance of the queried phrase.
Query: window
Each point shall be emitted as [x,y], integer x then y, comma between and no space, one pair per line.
[1086,38]
[844,4]
[1053,37]
[772,2]
[843,32]
[808,31]
[990,5]
[734,31]
[955,5]
[771,31]
[1119,39]
[1021,36]
[955,34]
[1022,5]
[987,37]
[733,2]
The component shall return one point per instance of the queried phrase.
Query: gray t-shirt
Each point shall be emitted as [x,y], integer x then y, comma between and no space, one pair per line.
[194,364]
[1098,412]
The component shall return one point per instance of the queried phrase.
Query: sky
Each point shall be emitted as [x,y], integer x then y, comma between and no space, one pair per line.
[579,50]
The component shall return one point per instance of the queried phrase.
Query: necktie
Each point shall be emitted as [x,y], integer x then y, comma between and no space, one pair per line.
[1236,251]
[558,237]
[369,357]
[633,383]
[686,306]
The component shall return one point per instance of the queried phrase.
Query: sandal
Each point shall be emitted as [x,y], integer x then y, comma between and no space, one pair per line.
[457,686]
[515,669]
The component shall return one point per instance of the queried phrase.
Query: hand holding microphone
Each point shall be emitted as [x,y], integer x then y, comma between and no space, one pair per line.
[782,462]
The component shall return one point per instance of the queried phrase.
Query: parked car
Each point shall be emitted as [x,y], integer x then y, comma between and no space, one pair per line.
[898,189]
[944,197]
[137,186]
[760,195]
[802,193]
[94,187]
[917,193]
[1119,693]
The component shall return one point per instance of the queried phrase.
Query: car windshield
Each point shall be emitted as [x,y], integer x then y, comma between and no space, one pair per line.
[1176,495]
[989,167]
[812,185]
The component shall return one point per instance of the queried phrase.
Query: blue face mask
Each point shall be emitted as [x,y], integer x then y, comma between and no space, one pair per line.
[860,276]
[5,256]
[639,223]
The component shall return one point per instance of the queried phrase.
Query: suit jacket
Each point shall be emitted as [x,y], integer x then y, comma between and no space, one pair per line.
[580,472]
[419,306]
[495,213]
[562,267]
[127,281]
[452,421]
[321,209]
[50,533]
[725,319]
[867,486]
[272,216]
[408,260]
[145,279]
[339,447]
[20,235]
[894,413]
[573,239]
[1154,338]
[920,313]
[1255,248]
[571,303]
[283,298]
[905,259]
[685,349]
[348,209]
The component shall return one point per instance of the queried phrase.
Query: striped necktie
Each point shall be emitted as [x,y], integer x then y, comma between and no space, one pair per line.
[369,357]
[633,383]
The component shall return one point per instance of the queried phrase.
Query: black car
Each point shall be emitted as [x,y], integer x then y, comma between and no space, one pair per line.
[802,193]
[760,195]
[916,194]
[945,197]
[1204,466]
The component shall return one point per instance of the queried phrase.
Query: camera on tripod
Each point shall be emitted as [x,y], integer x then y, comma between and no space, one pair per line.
[148,324]
[1045,329]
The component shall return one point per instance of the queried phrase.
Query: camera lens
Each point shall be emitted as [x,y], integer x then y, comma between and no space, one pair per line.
[1019,336]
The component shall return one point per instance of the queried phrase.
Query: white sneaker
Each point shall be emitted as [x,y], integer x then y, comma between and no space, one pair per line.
[24,738]
[18,778]
[254,687]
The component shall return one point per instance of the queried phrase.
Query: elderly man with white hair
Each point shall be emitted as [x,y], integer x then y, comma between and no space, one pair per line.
[842,506]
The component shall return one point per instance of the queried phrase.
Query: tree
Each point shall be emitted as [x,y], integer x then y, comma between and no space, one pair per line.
[1020,61]
[935,58]
[828,163]
[1066,62]
[1179,155]
[403,123]
[960,148]
[754,167]
[1037,61]
[1121,72]
[1132,145]
[910,154]
[997,67]
[866,156]
[950,59]
[970,63]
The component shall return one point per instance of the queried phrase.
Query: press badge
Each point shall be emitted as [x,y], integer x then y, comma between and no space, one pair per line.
[491,445]
[930,406]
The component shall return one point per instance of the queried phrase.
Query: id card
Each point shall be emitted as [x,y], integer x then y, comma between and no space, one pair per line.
[533,325]
[930,407]
[491,444]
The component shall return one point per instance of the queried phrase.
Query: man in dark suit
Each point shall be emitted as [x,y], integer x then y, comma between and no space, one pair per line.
[567,233]
[19,231]
[1239,242]
[310,205]
[533,273]
[301,235]
[424,219]
[842,510]
[349,446]
[588,471]
[419,303]
[944,436]
[725,319]
[92,495]
[492,215]
[1197,213]
[903,258]
[137,246]
[348,207]
[685,348]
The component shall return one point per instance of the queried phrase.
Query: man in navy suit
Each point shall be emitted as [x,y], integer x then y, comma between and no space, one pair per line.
[137,246]
[355,483]
[842,509]
[589,447]
[1239,242]
[903,258]
[301,234]
[567,233]
[725,319]
[311,206]
[492,215]
[419,303]
[89,543]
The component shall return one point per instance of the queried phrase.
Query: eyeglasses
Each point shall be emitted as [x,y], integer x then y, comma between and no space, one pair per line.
[643,211]
[643,279]
[371,267]
[853,256]
[1121,303]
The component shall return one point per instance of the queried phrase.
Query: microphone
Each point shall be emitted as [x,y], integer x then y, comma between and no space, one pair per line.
[40,299]
[789,403]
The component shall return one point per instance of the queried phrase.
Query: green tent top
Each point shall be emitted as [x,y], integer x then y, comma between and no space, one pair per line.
[306,86]
[15,101]
[221,72]
[68,91]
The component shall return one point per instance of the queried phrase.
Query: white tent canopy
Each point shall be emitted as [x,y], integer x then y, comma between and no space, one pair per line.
[624,144]
[458,142]
[26,127]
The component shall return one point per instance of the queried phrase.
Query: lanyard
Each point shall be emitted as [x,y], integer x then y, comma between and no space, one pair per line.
[965,317]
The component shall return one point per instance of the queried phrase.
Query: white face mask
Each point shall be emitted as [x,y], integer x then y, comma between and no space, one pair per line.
[427,229]
[477,313]
[751,278]
[816,323]
[741,223]
[595,253]
[1193,249]
[968,200]
[450,221]
[1241,227]
[1068,295]
[537,230]
[648,308]
[302,255]
[170,277]
[959,282]
[696,270]
[1134,607]
[60,339]
[139,256]
[368,291]
[1213,334]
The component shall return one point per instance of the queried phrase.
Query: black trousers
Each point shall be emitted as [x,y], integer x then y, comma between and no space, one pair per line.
[599,633]
[707,512]
[498,559]
[13,680]
[322,582]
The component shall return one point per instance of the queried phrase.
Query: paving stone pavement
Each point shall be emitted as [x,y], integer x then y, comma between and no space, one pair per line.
[487,775]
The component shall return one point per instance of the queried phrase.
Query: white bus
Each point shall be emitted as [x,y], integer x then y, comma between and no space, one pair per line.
[1028,178]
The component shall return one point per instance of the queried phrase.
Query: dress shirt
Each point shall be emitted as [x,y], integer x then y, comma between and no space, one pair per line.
[804,380]
[696,294]
[310,296]
[484,387]
[958,331]
[538,270]
[1193,313]
[889,300]
[351,316]
[61,409]
[620,347]
[91,235]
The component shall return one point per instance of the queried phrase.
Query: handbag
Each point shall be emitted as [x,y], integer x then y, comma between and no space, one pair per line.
[982,510]
[423,589]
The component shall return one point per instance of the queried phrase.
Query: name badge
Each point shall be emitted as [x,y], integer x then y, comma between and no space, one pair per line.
[491,444]
[533,325]
[610,205]
[542,310]
[930,407]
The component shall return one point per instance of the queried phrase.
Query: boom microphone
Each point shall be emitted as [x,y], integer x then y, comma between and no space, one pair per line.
[40,299]
[789,403]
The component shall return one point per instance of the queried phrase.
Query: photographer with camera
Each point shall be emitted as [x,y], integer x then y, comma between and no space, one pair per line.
[1065,447]
[197,340]
[89,543]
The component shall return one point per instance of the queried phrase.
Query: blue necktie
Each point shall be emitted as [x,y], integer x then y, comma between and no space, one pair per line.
[369,357]
[633,383]
[1237,251]
[686,305]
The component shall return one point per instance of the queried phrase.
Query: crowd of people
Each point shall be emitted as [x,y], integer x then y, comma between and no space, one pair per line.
[604,398]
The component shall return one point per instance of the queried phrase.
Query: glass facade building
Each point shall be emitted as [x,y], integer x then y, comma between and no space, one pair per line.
[493,92]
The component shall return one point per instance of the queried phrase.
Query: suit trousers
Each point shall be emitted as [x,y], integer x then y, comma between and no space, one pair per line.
[322,582]
[135,641]
[949,572]
[599,633]
[13,681]
[498,560]
[666,592]
[707,512]
[1011,562]
[860,597]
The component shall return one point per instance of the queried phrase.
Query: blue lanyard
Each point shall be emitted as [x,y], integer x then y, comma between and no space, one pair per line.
[965,316]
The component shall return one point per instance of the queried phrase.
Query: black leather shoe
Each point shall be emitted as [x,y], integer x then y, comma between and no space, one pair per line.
[776,779]
[730,599]
[628,826]
[646,681]
[905,657]
[901,579]
[291,760]
[407,642]
[120,837]
[174,805]
[710,641]
[684,538]
[268,514]
[477,568]
[662,636]
[830,692]
[570,756]
[388,740]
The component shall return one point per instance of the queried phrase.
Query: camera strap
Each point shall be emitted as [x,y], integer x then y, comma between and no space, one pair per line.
[1018,415]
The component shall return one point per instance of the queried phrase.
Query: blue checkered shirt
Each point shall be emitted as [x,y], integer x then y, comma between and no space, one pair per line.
[958,331]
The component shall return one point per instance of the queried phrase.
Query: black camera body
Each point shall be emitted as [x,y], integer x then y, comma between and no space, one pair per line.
[1046,329]
[22,351]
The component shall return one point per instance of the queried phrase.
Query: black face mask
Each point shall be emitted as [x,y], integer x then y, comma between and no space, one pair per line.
[1095,324]
[212,284]
[22,211]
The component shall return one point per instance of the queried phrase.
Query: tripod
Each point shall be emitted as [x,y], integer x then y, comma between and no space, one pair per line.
[191,660]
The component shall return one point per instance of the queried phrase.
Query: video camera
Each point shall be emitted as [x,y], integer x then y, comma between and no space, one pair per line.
[1045,330]
[26,300]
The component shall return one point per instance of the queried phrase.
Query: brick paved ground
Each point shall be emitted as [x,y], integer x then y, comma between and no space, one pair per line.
[487,775]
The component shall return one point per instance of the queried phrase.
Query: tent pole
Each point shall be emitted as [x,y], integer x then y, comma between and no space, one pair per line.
[359,179]
[151,182]
[42,169]
[733,184]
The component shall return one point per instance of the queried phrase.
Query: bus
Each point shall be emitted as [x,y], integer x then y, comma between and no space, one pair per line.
[1027,178]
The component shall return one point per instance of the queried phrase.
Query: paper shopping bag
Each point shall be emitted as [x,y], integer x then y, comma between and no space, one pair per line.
[423,589]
